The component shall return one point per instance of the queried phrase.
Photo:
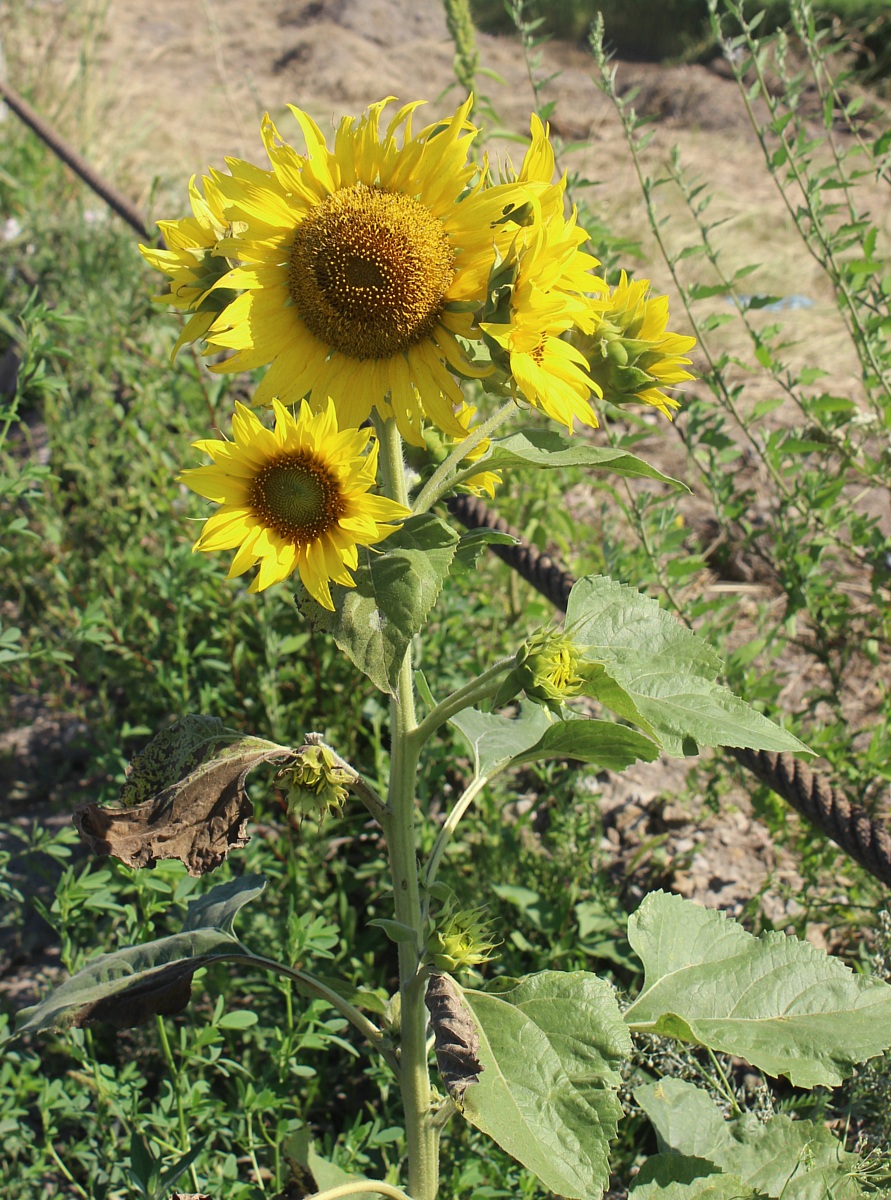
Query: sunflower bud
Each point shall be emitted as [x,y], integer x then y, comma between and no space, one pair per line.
[317,782]
[461,941]
[548,666]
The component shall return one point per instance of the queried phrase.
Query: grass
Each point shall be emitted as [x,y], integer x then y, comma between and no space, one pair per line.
[120,628]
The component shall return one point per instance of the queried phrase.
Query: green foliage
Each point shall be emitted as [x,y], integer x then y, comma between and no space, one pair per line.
[553,1107]
[775,1001]
[640,29]
[396,588]
[128,986]
[779,1158]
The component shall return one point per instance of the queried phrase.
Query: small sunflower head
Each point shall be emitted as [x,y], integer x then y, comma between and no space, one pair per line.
[630,352]
[193,262]
[296,498]
[550,667]
[461,938]
[316,782]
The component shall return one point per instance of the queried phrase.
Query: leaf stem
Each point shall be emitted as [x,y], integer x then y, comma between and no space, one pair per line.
[467,797]
[318,989]
[441,481]
[363,1185]
[478,689]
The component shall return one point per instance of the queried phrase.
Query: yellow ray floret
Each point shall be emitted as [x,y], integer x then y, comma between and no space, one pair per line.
[549,294]
[293,498]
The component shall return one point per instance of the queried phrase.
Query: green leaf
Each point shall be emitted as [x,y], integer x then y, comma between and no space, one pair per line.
[323,1174]
[586,740]
[496,740]
[676,1177]
[472,543]
[128,986]
[218,908]
[241,1018]
[781,1004]
[395,930]
[534,736]
[548,450]
[661,676]
[782,1158]
[550,1046]
[397,584]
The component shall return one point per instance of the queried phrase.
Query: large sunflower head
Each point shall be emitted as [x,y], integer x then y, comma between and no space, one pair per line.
[293,498]
[632,354]
[360,266]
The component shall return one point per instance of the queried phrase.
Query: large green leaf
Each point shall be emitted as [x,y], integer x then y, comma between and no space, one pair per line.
[128,986]
[676,1177]
[534,736]
[397,584]
[782,1158]
[660,675]
[781,1004]
[548,450]
[549,1048]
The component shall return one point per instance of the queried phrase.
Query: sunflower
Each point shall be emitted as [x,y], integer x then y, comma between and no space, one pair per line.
[360,267]
[191,262]
[293,498]
[545,292]
[632,355]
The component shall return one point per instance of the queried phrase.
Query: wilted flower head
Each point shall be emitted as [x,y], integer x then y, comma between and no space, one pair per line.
[316,781]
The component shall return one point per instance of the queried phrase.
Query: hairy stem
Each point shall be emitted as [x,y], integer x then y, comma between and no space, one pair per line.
[421,1136]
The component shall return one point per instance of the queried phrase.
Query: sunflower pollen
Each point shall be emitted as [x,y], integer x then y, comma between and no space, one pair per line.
[369,271]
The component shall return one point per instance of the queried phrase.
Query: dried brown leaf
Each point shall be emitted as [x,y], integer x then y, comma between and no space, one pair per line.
[456,1040]
[198,810]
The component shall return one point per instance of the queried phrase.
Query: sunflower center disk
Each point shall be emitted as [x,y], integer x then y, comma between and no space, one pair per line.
[369,272]
[297,497]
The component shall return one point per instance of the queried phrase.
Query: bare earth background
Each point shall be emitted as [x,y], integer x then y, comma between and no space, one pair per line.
[154,92]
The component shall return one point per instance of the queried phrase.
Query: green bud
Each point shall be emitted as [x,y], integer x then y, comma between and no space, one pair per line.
[461,942]
[548,667]
[616,353]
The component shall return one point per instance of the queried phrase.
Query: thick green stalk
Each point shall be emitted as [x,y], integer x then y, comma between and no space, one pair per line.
[422,1137]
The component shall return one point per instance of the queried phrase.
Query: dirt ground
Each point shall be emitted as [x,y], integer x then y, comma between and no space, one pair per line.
[152,93]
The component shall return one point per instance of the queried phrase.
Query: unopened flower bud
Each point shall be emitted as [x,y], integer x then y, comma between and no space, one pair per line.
[548,666]
[462,941]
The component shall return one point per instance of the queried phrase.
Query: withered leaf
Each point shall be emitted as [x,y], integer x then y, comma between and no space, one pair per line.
[184,798]
[456,1040]
[129,986]
[164,993]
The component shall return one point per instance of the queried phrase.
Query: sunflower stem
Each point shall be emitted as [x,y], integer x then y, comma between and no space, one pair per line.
[441,480]
[421,1135]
